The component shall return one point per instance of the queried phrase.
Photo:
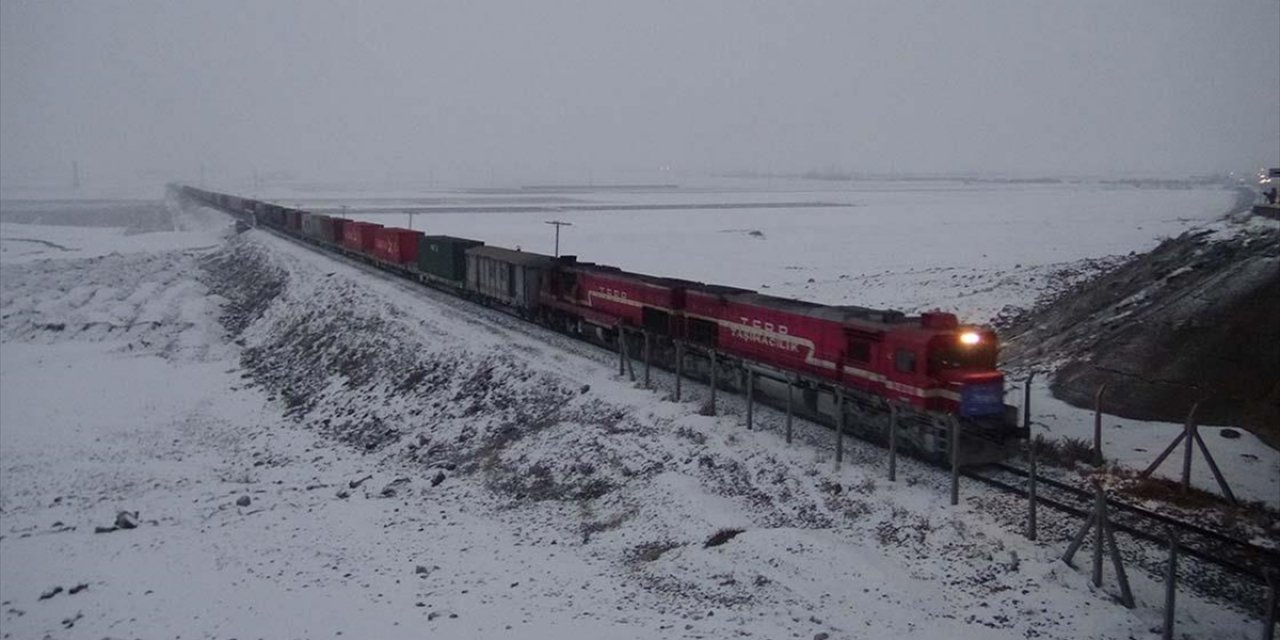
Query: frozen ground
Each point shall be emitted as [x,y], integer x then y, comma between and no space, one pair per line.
[970,248]
[121,391]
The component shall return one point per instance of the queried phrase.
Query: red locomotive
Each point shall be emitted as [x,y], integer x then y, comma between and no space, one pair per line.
[929,361]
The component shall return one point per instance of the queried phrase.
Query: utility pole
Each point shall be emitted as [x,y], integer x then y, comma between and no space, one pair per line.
[557,225]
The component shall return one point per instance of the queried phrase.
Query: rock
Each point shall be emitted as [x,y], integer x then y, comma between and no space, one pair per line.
[355,484]
[127,520]
[344,494]
[243,501]
[104,529]
[585,388]
[78,588]
[821,636]
[50,593]
[1230,434]
[437,479]
[390,490]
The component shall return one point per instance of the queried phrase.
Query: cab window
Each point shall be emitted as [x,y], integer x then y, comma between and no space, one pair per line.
[904,360]
[860,351]
[956,356]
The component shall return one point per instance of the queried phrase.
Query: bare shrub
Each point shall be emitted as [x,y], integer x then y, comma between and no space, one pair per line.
[720,537]
[1065,452]
[652,551]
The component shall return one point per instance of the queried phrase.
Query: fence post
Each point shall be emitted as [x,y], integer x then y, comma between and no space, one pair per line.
[751,395]
[679,367]
[1170,586]
[955,460]
[1117,563]
[1097,425]
[647,358]
[893,442]
[626,350]
[839,426]
[622,351]
[1031,490]
[1026,403]
[790,388]
[1213,466]
[1188,435]
[713,381]
[1099,534]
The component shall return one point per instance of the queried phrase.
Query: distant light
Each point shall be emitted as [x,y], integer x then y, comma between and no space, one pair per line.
[970,338]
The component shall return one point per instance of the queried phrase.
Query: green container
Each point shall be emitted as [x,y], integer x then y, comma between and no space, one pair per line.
[445,256]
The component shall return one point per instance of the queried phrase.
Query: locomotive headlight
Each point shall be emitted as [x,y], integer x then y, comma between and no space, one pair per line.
[970,338]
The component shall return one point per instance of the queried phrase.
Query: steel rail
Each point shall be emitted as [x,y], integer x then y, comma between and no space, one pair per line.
[1272,557]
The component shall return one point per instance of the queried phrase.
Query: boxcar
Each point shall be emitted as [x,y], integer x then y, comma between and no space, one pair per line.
[445,257]
[322,229]
[512,278]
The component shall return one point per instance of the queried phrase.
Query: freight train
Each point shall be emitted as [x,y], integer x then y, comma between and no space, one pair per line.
[850,364]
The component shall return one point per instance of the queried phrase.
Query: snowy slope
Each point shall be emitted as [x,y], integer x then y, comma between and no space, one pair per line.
[515,485]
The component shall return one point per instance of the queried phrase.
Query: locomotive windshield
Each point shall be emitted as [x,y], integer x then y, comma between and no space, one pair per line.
[953,353]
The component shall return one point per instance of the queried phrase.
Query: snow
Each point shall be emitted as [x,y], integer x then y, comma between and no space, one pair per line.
[971,249]
[143,401]
[1251,468]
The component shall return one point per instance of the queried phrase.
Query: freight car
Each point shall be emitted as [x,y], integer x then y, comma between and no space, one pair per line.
[849,362]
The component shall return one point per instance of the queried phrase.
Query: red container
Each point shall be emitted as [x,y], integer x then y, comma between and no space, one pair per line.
[360,236]
[396,245]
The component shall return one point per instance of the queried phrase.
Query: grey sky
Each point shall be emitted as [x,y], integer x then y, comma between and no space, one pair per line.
[475,91]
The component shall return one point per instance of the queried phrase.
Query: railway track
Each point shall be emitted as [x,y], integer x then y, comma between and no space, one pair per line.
[1213,547]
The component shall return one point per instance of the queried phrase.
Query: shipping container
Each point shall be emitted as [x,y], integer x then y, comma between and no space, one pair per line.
[509,277]
[336,230]
[317,227]
[445,257]
[360,236]
[396,245]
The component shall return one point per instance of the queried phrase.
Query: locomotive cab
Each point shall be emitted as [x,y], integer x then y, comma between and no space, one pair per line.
[965,361]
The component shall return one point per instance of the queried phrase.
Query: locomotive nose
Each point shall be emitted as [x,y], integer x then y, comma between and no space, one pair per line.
[981,392]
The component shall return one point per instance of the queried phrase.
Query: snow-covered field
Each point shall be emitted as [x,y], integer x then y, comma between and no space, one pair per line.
[516,487]
[913,246]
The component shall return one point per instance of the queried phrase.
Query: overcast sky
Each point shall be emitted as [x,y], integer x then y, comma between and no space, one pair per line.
[478,92]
